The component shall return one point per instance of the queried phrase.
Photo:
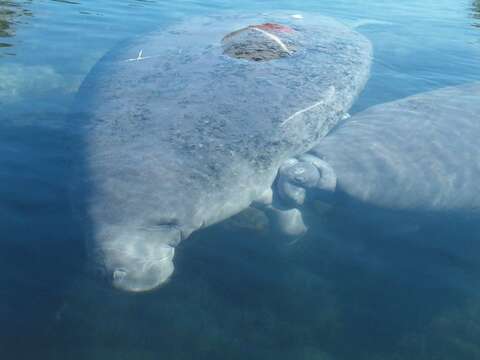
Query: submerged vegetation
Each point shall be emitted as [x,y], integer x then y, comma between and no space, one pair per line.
[11,13]
[476,12]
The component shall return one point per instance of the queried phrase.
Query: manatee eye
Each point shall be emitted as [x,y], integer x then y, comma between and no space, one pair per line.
[160,224]
[167,223]
[167,228]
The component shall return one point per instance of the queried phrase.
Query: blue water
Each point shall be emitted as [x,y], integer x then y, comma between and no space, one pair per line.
[343,292]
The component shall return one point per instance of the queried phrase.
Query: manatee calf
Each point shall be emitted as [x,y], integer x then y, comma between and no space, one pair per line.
[187,126]
[409,159]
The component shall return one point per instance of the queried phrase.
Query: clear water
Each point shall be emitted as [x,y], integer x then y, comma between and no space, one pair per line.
[237,294]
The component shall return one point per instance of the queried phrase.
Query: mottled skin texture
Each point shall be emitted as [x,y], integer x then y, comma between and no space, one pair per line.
[180,136]
[411,159]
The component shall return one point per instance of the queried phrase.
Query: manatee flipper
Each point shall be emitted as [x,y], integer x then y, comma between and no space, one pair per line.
[306,179]
[284,220]
[300,182]
[287,222]
[408,165]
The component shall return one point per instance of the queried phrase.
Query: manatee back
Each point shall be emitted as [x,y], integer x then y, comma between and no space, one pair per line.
[175,122]
[179,86]
[419,153]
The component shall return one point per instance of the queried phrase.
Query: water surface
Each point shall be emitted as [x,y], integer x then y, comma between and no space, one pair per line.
[343,292]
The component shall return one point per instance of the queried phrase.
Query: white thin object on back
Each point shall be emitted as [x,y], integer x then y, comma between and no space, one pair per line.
[329,94]
[141,57]
[274,38]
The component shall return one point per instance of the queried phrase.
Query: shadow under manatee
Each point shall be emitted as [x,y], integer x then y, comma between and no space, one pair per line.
[227,299]
[345,292]
[403,293]
[41,251]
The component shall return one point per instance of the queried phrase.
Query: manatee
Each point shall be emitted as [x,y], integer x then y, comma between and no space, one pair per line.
[414,159]
[187,126]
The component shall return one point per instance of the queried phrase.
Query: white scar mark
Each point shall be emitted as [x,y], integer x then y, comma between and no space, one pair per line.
[138,58]
[141,57]
[329,94]
[274,38]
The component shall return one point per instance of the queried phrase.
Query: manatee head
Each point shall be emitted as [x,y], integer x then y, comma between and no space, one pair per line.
[137,259]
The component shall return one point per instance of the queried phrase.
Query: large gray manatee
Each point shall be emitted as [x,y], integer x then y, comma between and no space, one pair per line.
[189,125]
[412,159]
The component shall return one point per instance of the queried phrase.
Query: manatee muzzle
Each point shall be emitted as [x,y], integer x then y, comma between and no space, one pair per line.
[145,273]
[139,258]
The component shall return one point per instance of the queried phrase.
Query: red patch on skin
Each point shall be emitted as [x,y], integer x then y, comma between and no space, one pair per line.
[274,27]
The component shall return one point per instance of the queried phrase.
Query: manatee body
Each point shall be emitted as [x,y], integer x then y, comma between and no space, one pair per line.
[412,159]
[187,126]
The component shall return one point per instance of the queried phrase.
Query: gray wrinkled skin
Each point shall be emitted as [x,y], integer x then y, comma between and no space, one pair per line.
[180,136]
[418,155]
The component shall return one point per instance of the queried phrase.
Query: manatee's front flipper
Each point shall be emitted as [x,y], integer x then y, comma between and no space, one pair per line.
[303,180]
[300,183]
[286,221]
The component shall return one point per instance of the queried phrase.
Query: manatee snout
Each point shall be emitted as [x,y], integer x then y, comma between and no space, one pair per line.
[144,273]
[139,260]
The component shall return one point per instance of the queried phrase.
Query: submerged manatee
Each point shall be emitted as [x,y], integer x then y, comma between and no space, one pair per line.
[411,158]
[188,126]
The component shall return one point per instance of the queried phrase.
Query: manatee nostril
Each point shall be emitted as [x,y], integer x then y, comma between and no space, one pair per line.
[119,274]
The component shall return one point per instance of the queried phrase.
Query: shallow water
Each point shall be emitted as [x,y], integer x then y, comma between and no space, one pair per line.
[343,292]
